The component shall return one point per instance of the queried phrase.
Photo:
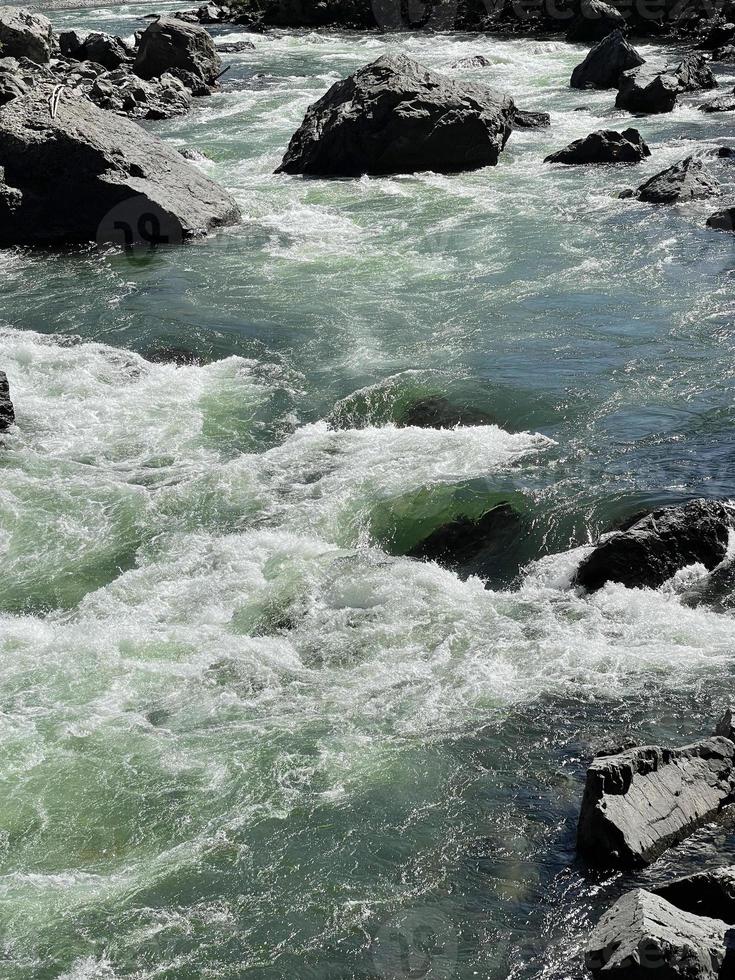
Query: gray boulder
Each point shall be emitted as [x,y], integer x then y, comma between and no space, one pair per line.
[526,119]
[11,86]
[645,93]
[7,412]
[656,546]
[603,146]
[184,50]
[112,180]
[723,220]
[642,801]
[126,94]
[685,181]
[394,116]
[24,34]
[605,63]
[725,103]
[644,936]
[594,22]
[693,74]
[105,50]
[235,47]
[710,893]
[70,43]
[476,61]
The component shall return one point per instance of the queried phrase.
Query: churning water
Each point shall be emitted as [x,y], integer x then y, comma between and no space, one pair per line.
[241,736]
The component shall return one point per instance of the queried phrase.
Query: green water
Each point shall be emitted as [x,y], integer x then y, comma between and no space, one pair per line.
[241,736]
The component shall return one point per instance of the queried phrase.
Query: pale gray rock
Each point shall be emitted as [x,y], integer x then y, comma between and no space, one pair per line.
[24,34]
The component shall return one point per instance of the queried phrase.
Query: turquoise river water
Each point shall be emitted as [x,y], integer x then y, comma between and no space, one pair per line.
[241,735]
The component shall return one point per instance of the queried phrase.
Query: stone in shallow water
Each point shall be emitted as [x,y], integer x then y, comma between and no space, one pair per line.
[466,540]
[647,93]
[603,146]
[394,116]
[641,802]
[685,181]
[605,63]
[595,21]
[185,50]
[710,893]
[7,413]
[693,74]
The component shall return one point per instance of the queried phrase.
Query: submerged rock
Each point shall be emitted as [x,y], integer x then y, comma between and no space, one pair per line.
[436,412]
[7,412]
[710,893]
[603,146]
[524,119]
[476,61]
[685,181]
[725,103]
[185,50]
[641,802]
[466,540]
[234,47]
[645,93]
[693,74]
[643,934]
[605,63]
[111,178]
[24,34]
[659,545]
[595,21]
[394,116]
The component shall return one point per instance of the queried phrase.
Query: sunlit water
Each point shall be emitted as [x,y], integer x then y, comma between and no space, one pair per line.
[241,736]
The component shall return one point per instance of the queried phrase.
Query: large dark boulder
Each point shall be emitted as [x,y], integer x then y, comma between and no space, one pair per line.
[723,220]
[394,116]
[685,181]
[710,893]
[24,34]
[84,174]
[103,49]
[603,146]
[658,545]
[7,413]
[605,63]
[645,936]
[642,801]
[645,93]
[693,74]
[716,33]
[184,50]
[594,22]
[70,43]
[527,119]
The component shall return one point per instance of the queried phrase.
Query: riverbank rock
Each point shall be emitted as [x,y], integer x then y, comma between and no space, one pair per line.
[644,93]
[642,801]
[605,63]
[603,146]
[103,49]
[685,181]
[722,220]
[594,22]
[126,94]
[110,178]
[7,412]
[693,74]
[24,34]
[710,893]
[644,935]
[184,50]
[655,547]
[394,116]
[726,725]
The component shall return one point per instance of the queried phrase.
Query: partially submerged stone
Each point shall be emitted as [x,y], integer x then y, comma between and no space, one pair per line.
[605,63]
[7,412]
[710,893]
[684,181]
[603,146]
[647,93]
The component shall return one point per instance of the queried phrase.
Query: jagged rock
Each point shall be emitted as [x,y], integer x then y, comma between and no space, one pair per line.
[725,726]
[110,178]
[685,181]
[717,590]
[643,935]
[655,547]
[476,61]
[525,119]
[126,94]
[718,34]
[24,34]
[693,74]
[710,893]
[595,21]
[11,86]
[641,802]
[196,156]
[606,62]
[726,53]
[105,50]
[235,47]
[70,43]
[394,116]
[722,220]
[184,50]
[643,92]
[725,103]
[7,412]
[437,412]
[603,146]
[466,541]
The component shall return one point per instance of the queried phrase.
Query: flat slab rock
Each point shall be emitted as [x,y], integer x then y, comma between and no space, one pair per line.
[685,181]
[640,802]
[394,116]
[603,146]
[110,178]
[644,936]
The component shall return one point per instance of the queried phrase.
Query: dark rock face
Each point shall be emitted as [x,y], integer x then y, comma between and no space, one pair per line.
[693,74]
[24,34]
[7,413]
[464,540]
[716,591]
[436,412]
[719,33]
[70,43]
[685,181]
[11,86]
[657,546]
[726,725]
[182,49]
[722,220]
[107,171]
[605,63]
[603,146]
[127,95]
[524,119]
[394,116]
[641,802]
[641,92]
[102,49]
[726,53]
[644,935]
[726,103]
[710,893]
[595,21]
